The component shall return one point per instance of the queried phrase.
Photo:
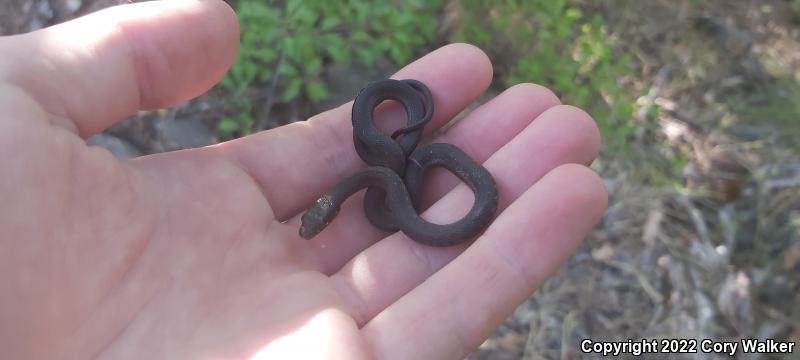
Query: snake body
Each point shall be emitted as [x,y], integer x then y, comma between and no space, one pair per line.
[396,172]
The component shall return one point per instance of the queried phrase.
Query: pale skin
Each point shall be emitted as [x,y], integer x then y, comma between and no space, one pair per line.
[195,254]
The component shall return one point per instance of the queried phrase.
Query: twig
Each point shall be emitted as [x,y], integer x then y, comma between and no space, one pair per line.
[660,80]
[697,218]
[567,326]
[648,288]
[270,95]
[728,225]
[534,331]
[782,183]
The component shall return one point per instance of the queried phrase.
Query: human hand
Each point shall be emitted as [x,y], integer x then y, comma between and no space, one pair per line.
[195,254]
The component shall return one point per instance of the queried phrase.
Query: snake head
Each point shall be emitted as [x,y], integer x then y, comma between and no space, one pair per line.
[318,217]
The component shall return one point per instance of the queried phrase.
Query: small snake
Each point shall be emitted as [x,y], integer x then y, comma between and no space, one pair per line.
[396,172]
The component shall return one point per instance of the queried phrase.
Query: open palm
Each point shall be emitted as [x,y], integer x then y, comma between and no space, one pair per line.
[196,254]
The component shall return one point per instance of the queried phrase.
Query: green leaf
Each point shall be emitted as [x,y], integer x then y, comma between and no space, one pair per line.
[264,54]
[339,54]
[316,91]
[360,36]
[402,37]
[336,48]
[306,16]
[399,54]
[293,5]
[379,26]
[313,65]
[227,83]
[624,108]
[573,13]
[330,22]
[265,75]
[228,125]
[366,56]
[289,46]
[292,90]
[287,70]
[381,44]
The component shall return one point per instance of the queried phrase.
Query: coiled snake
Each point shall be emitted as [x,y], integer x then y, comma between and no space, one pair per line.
[396,172]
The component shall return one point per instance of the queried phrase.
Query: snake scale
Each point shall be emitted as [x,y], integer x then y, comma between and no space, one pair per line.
[396,170]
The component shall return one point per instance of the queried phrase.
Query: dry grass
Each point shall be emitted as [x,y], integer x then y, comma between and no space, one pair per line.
[715,254]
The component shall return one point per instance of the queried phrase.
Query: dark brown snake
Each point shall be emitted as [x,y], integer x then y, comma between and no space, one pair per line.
[396,172]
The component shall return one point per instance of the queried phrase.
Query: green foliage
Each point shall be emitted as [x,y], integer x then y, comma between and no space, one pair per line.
[543,41]
[554,44]
[286,44]
[796,9]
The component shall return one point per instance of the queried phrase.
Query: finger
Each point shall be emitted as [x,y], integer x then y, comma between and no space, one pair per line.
[93,71]
[479,134]
[296,163]
[450,314]
[562,134]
